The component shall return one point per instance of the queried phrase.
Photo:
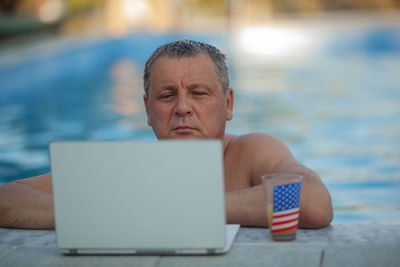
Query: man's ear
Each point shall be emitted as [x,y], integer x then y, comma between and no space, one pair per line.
[229,104]
[146,105]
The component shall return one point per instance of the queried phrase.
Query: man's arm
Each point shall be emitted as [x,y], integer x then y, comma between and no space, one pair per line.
[269,155]
[315,202]
[27,203]
[246,207]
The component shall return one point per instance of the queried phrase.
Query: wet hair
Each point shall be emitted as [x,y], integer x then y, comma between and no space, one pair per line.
[188,48]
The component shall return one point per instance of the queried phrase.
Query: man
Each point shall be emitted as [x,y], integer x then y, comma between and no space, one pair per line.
[187,96]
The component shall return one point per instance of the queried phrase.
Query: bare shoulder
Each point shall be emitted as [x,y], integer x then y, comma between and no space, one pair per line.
[260,146]
[259,154]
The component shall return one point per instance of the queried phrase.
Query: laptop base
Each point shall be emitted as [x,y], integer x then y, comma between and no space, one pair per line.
[231,232]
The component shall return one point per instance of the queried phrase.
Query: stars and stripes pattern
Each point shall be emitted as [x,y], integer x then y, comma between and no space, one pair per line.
[285,214]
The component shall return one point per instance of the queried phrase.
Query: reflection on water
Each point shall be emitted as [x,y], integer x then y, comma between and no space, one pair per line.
[126,97]
[127,90]
[274,42]
[336,105]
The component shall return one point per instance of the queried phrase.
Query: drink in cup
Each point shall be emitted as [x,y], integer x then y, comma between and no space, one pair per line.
[283,192]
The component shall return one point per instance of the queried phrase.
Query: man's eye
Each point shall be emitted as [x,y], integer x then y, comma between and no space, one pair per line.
[199,93]
[166,96]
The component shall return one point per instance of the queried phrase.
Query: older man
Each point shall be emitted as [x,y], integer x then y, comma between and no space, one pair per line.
[187,96]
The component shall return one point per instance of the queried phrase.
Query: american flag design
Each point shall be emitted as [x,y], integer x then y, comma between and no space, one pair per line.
[285,215]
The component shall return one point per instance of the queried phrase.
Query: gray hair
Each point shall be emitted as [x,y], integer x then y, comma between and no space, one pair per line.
[188,48]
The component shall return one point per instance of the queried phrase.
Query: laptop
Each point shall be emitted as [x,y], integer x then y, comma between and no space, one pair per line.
[140,197]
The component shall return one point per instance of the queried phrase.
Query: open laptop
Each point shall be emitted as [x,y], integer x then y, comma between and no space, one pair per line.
[132,197]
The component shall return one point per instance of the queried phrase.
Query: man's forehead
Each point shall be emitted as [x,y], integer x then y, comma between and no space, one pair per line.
[200,57]
[188,67]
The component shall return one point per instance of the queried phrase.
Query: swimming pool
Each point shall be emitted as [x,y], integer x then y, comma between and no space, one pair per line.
[335,101]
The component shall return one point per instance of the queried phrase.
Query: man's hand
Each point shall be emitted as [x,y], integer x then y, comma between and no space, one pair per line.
[247,207]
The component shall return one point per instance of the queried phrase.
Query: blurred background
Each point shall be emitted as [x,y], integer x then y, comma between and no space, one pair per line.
[322,75]
[119,17]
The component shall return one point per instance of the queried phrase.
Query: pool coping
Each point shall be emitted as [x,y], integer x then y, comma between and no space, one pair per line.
[338,244]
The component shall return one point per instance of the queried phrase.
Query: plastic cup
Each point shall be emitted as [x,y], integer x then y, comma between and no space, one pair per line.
[282,192]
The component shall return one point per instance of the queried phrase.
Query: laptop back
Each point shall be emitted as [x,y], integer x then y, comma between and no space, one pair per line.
[162,197]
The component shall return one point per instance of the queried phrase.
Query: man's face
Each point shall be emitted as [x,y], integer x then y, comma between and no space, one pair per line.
[186,99]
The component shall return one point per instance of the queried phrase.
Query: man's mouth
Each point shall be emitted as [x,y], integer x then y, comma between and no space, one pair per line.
[183,129]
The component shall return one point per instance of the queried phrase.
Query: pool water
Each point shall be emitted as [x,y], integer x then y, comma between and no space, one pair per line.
[335,102]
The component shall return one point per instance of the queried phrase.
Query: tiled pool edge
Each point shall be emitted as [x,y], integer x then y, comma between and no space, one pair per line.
[335,245]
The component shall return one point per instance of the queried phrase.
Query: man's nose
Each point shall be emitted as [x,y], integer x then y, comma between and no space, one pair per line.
[183,106]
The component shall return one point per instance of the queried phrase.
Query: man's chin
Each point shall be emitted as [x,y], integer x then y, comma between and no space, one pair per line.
[173,135]
[185,137]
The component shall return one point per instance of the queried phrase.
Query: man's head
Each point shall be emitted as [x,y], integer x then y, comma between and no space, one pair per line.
[187,48]
[185,95]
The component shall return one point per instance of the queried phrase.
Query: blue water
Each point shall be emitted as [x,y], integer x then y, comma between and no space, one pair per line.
[338,110]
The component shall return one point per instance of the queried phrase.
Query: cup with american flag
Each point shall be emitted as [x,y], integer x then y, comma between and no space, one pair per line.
[282,192]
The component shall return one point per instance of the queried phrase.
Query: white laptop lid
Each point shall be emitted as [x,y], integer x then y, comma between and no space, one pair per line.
[138,197]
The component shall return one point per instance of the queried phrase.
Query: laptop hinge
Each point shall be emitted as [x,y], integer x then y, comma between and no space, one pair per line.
[73,251]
